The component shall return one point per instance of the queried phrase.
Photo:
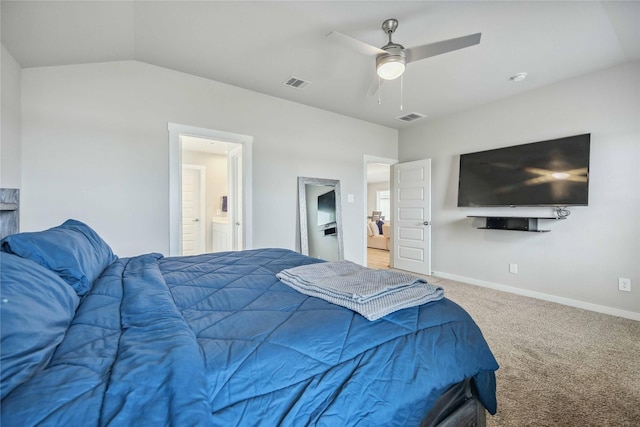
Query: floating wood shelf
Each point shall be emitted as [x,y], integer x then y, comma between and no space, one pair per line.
[514,223]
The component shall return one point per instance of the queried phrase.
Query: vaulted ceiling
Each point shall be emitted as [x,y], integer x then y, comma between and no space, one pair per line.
[259,45]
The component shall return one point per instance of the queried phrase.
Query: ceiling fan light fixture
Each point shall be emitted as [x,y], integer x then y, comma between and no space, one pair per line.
[390,67]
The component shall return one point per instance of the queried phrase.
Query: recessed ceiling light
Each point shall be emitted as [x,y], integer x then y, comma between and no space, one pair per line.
[518,77]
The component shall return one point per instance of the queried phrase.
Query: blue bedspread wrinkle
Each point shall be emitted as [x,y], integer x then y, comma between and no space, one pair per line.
[218,340]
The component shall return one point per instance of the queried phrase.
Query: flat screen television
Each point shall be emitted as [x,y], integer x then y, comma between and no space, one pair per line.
[327,208]
[545,173]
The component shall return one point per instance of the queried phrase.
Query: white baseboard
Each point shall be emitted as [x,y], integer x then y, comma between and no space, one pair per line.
[542,296]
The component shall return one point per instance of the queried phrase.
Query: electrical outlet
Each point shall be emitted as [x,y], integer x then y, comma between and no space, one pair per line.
[513,268]
[624,284]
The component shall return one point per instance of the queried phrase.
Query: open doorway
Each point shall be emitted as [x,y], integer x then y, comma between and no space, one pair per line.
[209,191]
[378,212]
[208,187]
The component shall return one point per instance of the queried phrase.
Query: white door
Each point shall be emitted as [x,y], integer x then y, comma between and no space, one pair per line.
[192,210]
[411,204]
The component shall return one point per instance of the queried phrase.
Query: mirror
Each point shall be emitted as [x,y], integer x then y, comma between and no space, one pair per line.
[320,218]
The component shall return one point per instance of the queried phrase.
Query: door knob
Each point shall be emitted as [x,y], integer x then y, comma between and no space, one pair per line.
[196,219]
[426,223]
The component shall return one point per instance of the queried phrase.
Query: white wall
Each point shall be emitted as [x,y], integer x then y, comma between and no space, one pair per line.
[10,111]
[580,260]
[95,147]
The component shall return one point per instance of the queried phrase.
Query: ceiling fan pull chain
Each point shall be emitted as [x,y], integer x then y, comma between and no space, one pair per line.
[401,91]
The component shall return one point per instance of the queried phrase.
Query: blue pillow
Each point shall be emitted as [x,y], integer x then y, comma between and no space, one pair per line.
[380,223]
[36,308]
[72,250]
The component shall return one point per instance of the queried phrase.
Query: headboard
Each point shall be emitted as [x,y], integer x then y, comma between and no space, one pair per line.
[9,211]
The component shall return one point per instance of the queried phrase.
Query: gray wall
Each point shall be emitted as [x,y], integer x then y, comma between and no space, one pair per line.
[580,260]
[10,137]
[95,147]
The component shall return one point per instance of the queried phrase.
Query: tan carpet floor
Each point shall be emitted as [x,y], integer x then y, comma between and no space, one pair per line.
[559,366]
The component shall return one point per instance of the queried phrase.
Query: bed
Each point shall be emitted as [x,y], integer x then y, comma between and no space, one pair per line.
[217,340]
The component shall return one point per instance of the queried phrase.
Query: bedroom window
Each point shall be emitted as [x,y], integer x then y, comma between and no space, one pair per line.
[383,202]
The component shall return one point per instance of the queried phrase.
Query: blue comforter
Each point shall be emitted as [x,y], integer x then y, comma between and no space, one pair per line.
[218,340]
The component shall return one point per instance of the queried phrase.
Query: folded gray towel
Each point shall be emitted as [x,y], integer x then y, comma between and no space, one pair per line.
[372,293]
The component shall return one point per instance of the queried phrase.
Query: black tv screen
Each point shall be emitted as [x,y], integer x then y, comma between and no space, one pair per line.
[327,208]
[546,173]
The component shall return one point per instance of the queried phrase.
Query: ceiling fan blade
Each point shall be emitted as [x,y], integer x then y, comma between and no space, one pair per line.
[438,48]
[375,84]
[362,47]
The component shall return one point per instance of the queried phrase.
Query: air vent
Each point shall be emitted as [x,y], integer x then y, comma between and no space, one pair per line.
[296,83]
[411,117]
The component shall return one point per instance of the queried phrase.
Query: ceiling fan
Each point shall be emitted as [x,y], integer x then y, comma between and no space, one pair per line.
[392,58]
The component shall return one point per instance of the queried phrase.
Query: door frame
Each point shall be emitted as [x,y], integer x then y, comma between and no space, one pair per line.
[234,201]
[175,180]
[366,160]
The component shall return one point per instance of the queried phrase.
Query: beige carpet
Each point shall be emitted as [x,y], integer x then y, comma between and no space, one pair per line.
[559,366]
